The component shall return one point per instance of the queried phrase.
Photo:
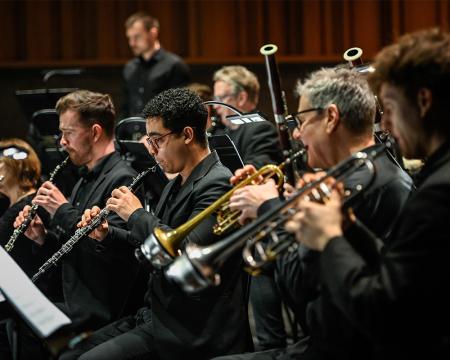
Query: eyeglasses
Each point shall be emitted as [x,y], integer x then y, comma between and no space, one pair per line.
[14,152]
[222,97]
[155,142]
[294,120]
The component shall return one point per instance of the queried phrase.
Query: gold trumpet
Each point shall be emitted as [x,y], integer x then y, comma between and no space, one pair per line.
[162,246]
[198,268]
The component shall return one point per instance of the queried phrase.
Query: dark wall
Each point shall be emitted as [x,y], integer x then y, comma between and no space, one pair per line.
[43,34]
[108,79]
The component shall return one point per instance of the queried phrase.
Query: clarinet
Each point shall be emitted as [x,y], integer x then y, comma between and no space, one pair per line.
[83,231]
[34,208]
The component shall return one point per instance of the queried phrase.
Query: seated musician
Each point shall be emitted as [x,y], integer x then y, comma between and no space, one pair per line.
[91,272]
[257,142]
[335,119]
[175,325]
[401,304]
[20,170]
[258,145]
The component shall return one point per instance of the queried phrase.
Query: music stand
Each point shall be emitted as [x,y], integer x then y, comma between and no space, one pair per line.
[44,319]
[34,100]
[228,154]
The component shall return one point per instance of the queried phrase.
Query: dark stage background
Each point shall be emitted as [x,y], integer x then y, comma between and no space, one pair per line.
[39,35]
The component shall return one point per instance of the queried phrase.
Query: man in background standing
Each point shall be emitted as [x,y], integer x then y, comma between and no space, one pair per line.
[153,69]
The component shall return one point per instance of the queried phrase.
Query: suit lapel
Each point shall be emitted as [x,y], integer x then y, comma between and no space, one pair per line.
[163,199]
[111,162]
[199,172]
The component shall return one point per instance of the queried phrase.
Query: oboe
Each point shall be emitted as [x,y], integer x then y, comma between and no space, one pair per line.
[34,208]
[82,232]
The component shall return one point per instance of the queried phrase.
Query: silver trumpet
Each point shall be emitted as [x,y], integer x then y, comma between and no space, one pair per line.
[198,268]
[33,211]
[85,230]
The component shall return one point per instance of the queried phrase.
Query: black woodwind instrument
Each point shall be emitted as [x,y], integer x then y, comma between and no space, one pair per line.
[279,107]
[33,211]
[85,230]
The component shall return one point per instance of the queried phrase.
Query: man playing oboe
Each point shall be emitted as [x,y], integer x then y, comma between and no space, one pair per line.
[96,278]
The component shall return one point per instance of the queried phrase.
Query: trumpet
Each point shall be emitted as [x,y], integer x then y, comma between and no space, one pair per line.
[198,268]
[161,247]
[86,230]
[33,211]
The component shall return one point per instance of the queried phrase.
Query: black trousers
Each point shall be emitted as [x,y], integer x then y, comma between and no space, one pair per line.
[298,350]
[128,338]
[267,313]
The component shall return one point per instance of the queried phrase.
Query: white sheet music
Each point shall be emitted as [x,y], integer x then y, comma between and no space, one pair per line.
[39,312]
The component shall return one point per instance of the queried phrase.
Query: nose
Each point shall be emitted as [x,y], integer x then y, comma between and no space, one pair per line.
[63,141]
[152,150]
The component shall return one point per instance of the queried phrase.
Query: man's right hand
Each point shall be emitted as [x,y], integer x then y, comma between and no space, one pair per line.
[101,231]
[243,173]
[36,230]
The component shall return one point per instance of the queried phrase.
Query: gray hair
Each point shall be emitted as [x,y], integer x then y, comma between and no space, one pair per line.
[240,79]
[348,90]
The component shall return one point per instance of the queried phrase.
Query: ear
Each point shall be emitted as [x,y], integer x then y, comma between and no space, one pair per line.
[333,118]
[154,32]
[424,101]
[188,133]
[241,99]
[97,131]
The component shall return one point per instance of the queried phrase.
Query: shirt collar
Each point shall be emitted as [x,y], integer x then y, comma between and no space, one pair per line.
[96,170]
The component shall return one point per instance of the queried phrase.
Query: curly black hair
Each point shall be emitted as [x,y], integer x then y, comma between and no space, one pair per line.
[179,108]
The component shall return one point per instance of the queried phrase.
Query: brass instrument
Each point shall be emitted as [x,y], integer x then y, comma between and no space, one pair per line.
[198,268]
[32,213]
[161,247]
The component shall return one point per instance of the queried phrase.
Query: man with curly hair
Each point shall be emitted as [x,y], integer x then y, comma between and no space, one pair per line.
[175,325]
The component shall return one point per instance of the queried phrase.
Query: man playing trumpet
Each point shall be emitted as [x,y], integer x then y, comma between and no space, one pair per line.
[401,304]
[334,120]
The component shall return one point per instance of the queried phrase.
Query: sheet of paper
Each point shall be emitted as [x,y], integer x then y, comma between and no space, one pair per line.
[34,308]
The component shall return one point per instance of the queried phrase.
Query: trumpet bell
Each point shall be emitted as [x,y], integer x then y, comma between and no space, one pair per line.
[152,251]
[188,277]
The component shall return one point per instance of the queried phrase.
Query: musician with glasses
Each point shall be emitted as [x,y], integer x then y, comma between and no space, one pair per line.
[91,272]
[334,120]
[401,303]
[174,325]
[257,143]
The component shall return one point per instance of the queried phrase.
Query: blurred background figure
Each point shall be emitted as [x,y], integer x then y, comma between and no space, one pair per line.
[257,142]
[206,94]
[20,170]
[153,69]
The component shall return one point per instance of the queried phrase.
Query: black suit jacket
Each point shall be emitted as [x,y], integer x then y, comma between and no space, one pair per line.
[97,276]
[298,275]
[402,305]
[210,323]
